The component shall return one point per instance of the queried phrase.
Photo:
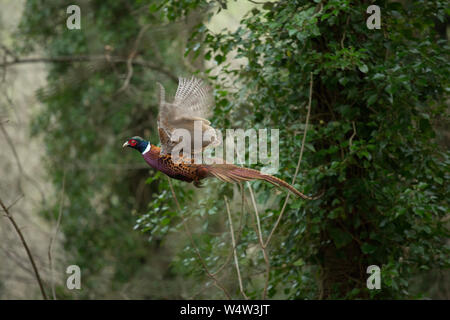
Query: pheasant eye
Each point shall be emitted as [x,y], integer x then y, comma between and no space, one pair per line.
[132,143]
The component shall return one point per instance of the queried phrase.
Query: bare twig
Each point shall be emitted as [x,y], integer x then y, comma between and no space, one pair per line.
[241,225]
[12,255]
[260,236]
[202,262]
[8,51]
[299,160]
[320,9]
[78,165]
[236,261]
[25,245]
[257,2]
[50,246]
[261,242]
[15,201]
[132,56]
[19,164]
[130,71]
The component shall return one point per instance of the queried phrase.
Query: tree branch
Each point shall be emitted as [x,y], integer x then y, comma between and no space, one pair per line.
[131,57]
[25,245]
[241,225]
[19,164]
[72,59]
[299,159]
[353,135]
[261,242]
[236,261]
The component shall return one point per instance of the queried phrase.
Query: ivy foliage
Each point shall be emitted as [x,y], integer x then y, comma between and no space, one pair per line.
[371,143]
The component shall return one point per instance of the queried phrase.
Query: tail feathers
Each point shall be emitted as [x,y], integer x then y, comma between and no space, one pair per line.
[232,173]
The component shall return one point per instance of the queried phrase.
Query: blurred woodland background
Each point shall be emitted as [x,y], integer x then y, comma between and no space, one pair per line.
[377,142]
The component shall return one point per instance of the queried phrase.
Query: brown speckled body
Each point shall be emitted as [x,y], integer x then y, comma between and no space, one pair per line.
[181,171]
[191,172]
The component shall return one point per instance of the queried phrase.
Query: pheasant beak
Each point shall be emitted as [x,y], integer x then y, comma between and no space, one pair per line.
[125,144]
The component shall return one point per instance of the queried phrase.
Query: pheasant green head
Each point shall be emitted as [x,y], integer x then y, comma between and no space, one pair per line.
[137,143]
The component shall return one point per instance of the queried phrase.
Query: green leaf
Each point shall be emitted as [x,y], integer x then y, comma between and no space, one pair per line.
[153,7]
[372,99]
[299,263]
[340,237]
[310,147]
[291,32]
[438,180]
[368,248]
[363,68]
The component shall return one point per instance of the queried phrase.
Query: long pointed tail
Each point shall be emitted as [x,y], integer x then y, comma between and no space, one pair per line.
[232,173]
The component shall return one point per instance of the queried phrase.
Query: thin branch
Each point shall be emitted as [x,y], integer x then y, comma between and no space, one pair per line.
[236,261]
[12,255]
[257,2]
[8,51]
[15,201]
[129,73]
[353,135]
[345,30]
[216,281]
[311,81]
[241,225]
[320,10]
[131,57]
[50,246]
[71,59]
[25,245]
[78,165]
[260,237]
[207,284]
[19,164]
[261,242]
[14,151]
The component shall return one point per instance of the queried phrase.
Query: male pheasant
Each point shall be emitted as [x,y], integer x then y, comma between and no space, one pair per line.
[192,103]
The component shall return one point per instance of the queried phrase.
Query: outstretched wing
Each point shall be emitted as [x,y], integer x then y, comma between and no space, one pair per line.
[189,111]
[194,98]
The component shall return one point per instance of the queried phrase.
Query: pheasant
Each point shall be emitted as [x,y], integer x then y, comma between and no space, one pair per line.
[192,102]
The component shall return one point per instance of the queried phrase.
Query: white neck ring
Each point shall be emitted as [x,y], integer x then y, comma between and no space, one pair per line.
[147,149]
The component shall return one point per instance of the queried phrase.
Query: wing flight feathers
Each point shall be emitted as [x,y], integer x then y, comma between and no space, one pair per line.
[193,101]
